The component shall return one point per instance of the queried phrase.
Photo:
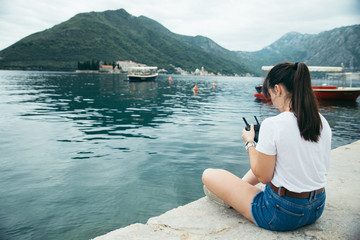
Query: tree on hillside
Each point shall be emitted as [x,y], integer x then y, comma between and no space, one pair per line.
[87,65]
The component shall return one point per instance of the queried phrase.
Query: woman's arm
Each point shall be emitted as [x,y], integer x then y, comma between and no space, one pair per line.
[262,165]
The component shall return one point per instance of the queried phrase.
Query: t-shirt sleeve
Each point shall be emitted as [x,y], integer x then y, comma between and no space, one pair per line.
[267,136]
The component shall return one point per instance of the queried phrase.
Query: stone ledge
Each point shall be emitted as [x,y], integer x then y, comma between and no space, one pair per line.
[204,220]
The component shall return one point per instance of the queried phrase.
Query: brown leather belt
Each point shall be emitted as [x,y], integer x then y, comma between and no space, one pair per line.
[285,192]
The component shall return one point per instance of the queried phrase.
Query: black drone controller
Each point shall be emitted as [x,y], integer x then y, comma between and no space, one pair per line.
[256,128]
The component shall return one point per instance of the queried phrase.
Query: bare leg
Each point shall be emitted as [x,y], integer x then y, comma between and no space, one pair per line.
[232,189]
[249,177]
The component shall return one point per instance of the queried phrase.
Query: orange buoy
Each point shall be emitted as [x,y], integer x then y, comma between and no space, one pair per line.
[170,79]
[195,88]
[214,85]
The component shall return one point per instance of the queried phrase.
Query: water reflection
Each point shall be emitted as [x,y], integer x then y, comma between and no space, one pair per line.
[343,117]
[337,104]
[99,104]
[107,107]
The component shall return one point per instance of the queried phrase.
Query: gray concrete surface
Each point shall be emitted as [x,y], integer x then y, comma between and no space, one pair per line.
[203,220]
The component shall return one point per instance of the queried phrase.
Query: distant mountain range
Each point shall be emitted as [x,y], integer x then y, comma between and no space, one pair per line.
[329,48]
[117,35]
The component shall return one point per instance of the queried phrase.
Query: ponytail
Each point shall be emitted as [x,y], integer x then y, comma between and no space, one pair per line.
[296,78]
[305,105]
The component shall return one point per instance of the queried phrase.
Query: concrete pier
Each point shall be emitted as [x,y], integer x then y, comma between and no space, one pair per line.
[202,219]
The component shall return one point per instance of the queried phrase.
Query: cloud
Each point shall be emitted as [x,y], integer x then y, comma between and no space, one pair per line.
[234,24]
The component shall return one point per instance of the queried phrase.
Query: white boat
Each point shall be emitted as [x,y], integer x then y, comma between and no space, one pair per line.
[142,74]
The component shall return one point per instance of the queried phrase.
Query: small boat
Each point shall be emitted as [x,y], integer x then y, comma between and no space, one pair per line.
[336,93]
[142,74]
[259,95]
[325,91]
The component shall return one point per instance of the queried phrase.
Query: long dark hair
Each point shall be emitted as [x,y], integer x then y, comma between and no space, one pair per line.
[296,79]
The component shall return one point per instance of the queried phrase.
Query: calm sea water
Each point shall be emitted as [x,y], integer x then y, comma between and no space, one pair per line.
[81,155]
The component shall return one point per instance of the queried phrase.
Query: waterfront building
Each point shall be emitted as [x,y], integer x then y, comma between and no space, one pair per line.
[106,68]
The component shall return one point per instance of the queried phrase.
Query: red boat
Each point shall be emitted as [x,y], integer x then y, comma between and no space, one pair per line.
[324,93]
[261,97]
[336,93]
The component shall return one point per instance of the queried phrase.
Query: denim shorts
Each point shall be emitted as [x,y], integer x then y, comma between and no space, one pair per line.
[281,213]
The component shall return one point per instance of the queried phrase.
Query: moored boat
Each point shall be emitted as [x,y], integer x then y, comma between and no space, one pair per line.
[322,92]
[336,93]
[142,74]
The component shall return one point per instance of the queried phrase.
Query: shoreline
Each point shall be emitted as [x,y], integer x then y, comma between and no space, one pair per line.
[203,219]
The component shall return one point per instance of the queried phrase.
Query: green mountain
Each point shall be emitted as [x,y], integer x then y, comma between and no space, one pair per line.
[110,36]
[117,35]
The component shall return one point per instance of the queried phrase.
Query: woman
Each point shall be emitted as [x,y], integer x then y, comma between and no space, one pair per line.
[292,158]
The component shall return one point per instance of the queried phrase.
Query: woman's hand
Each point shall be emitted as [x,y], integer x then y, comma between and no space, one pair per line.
[248,135]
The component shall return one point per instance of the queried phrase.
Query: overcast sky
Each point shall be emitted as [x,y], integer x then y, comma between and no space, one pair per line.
[245,25]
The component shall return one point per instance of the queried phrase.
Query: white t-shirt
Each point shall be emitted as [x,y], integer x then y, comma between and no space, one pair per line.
[301,166]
